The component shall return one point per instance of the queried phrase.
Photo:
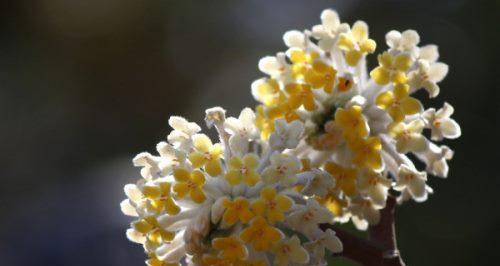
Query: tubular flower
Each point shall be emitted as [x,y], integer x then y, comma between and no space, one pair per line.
[321,75]
[189,183]
[160,198]
[239,209]
[366,152]
[356,43]
[352,122]
[328,142]
[391,68]
[206,154]
[272,205]
[398,103]
[260,234]
[243,170]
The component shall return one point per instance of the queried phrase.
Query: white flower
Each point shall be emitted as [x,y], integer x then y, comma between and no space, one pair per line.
[436,158]
[295,39]
[149,164]
[440,123]
[429,52]
[242,130]
[286,135]
[329,30]
[274,66]
[180,137]
[283,170]
[327,240]
[427,76]
[364,213]
[375,186]
[320,183]
[307,218]
[289,251]
[409,136]
[413,182]
[405,42]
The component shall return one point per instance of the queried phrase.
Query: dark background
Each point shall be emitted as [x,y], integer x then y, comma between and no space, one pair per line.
[85,85]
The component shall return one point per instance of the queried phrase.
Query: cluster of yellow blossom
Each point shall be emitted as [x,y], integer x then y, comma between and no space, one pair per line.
[327,143]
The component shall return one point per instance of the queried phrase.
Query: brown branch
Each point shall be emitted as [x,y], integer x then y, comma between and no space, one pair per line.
[380,248]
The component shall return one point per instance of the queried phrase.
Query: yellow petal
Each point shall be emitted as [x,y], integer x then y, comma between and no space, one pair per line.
[202,143]
[410,106]
[213,167]
[197,195]
[197,159]
[346,42]
[151,192]
[235,162]
[268,193]
[198,177]
[380,75]
[251,161]
[368,46]
[384,100]
[360,31]
[181,175]
[385,60]
[402,62]
[352,57]
[233,177]
[251,178]
[182,189]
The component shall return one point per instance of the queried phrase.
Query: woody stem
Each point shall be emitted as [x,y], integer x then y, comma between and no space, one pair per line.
[380,248]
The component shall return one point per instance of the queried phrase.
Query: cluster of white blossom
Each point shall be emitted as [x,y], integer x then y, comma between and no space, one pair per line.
[328,143]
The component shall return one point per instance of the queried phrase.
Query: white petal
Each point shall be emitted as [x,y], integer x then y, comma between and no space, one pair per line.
[128,209]
[409,39]
[429,53]
[135,236]
[450,129]
[294,38]
[133,192]
[446,111]
[438,71]
[431,87]
[330,19]
[332,242]
[417,189]
[269,65]
[392,38]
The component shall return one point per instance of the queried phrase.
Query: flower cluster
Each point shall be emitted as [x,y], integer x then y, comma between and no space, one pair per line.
[328,143]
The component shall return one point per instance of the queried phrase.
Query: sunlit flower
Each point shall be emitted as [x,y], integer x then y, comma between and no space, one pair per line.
[272,205]
[206,154]
[283,170]
[391,68]
[413,182]
[352,121]
[398,103]
[440,123]
[409,136]
[427,76]
[366,152]
[242,130]
[189,183]
[329,30]
[237,210]
[260,234]
[231,248]
[300,95]
[243,170]
[356,43]
[345,178]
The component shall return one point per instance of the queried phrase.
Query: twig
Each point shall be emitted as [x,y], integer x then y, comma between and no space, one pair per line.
[380,248]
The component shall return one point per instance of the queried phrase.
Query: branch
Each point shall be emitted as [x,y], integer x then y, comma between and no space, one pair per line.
[380,248]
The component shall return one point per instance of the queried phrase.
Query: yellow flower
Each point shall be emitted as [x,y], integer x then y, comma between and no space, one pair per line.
[211,260]
[321,75]
[333,204]
[398,103]
[160,198]
[366,152]
[150,228]
[300,95]
[356,43]
[302,61]
[231,248]
[345,178]
[268,92]
[155,261]
[260,234]
[206,154]
[409,136]
[271,205]
[351,121]
[263,122]
[189,183]
[239,209]
[243,170]
[391,68]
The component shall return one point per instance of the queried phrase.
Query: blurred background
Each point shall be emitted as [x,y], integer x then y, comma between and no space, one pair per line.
[86,85]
